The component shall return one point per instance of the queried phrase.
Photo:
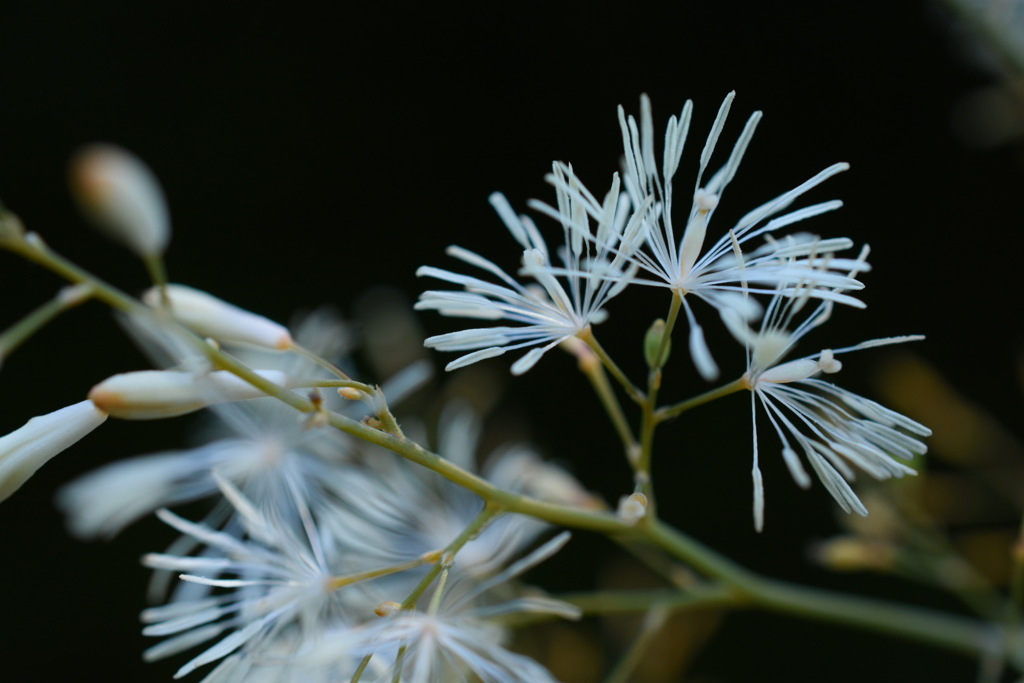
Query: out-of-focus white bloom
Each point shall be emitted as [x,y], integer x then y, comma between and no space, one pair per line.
[454,638]
[722,274]
[276,595]
[261,446]
[211,317]
[119,193]
[554,308]
[394,513]
[156,394]
[25,450]
[269,455]
[270,585]
[835,429]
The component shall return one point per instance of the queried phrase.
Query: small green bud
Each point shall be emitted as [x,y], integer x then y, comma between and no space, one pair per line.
[652,343]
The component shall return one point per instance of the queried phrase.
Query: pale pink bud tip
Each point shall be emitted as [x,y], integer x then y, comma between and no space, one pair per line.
[156,394]
[209,316]
[119,193]
[25,450]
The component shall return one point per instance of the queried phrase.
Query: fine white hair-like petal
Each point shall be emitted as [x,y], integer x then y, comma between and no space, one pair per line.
[560,301]
[836,430]
[749,258]
[455,636]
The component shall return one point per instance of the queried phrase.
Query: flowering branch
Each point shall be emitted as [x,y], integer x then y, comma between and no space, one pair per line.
[326,513]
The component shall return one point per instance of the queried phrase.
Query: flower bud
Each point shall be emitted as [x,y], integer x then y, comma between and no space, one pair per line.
[156,394]
[122,197]
[387,608]
[351,394]
[25,450]
[632,508]
[652,343]
[209,316]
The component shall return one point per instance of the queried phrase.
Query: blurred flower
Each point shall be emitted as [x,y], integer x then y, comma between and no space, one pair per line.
[392,512]
[119,193]
[258,589]
[262,446]
[456,636]
[268,451]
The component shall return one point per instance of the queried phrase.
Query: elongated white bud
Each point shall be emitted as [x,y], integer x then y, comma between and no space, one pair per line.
[156,394]
[209,316]
[25,450]
[119,193]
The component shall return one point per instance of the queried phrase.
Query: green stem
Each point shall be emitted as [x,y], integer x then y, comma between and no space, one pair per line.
[661,357]
[594,371]
[675,410]
[358,674]
[631,389]
[958,634]
[336,383]
[336,582]
[34,249]
[748,589]
[158,274]
[647,426]
[18,333]
[322,362]
[619,602]
[489,512]
[648,417]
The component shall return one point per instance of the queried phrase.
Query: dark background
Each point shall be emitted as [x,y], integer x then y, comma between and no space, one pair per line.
[310,154]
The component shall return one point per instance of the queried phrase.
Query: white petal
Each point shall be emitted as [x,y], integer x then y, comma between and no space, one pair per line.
[156,394]
[25,450]
[209,316]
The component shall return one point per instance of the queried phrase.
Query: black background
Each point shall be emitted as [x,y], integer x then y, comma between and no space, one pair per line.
[309,154]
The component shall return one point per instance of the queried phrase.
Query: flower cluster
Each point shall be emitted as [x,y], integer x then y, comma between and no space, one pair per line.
[321,556]
[633,238]
[323,553]
[313,532]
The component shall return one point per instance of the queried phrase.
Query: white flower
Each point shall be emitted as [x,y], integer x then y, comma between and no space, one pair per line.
[269,455]
[25,450]
[722,274]
[391,512]
[258,590]
[555,307]
[261,445]
[835,429]
[119,193]
[455,639]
